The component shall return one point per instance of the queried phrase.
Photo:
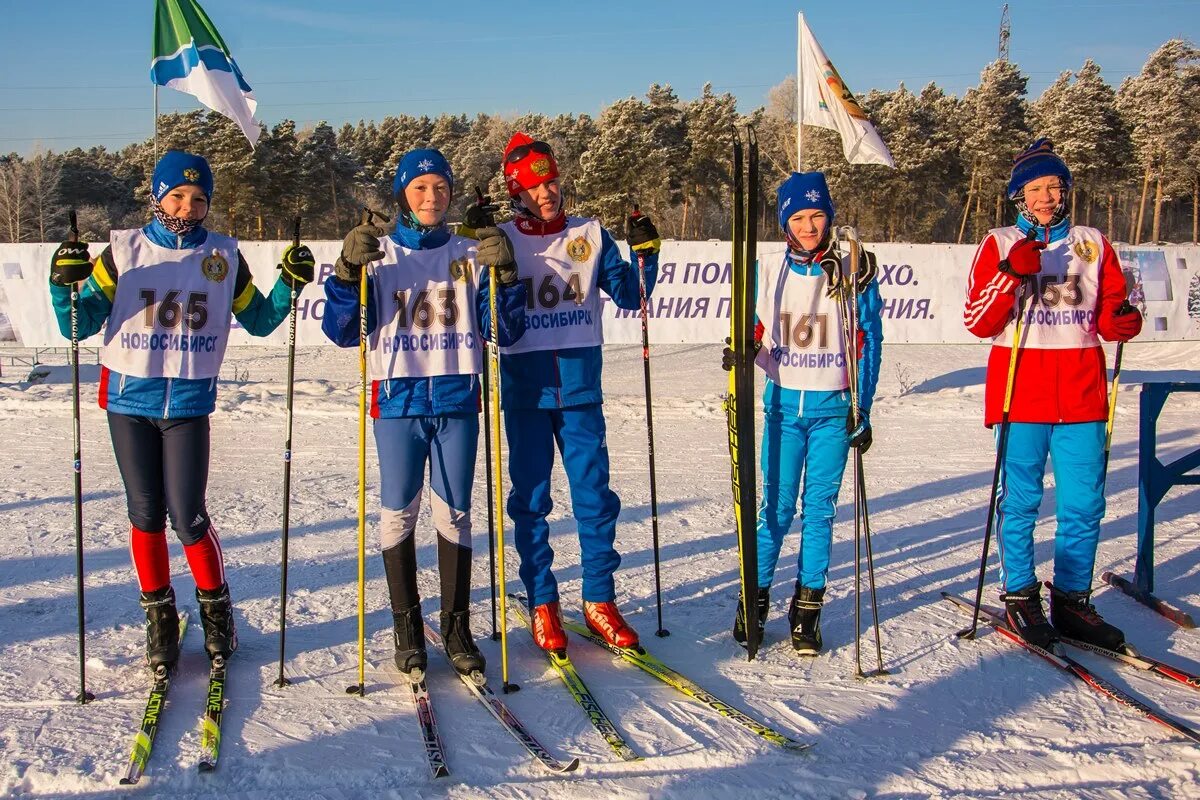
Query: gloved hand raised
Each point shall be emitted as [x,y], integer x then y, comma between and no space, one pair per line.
[70,264]
[298,265]
[359,248]
[1025,257]
[641,234]
[496,250]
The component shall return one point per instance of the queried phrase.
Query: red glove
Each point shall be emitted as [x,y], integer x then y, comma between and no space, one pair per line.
[1125,323]
[1025,258]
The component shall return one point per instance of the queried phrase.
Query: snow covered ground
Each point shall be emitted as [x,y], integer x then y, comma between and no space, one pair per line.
[954,719]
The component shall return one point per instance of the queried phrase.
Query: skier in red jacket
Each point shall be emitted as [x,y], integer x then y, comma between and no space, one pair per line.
[1067,282]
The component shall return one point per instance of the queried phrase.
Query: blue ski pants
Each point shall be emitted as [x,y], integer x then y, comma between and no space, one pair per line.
[406,445]
[1077,453]
[579,433]
[794,447]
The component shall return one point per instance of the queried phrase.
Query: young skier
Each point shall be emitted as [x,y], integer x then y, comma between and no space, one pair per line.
[1072,294]
[166,291]
[807,430]
[427,312]
[551,386]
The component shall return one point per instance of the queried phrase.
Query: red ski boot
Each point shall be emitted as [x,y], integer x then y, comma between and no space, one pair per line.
[605,620]
[548,631]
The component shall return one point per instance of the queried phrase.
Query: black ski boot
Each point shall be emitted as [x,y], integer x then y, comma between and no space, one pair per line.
[763,605]
[1075,617]
[162,628]
[216,613]
[805,618]
[460,644]
[409,633]
[1023,608]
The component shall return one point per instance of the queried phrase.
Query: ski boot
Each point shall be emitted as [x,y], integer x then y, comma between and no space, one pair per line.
[1023,609]
[548,631]
[1075,617]
[604,619]
[763,605]
[216,613]
[162,628]
[409,633]
[460,644]
[804,617]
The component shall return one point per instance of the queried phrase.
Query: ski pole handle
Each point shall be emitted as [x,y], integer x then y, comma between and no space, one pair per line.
[74,237]
[487,207]
[296,231]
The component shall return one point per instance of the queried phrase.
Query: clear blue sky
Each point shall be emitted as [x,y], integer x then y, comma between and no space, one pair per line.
[76,72]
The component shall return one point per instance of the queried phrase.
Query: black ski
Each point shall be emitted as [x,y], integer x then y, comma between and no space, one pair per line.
[210,723]
[477,684]
[739,402]
[1073,667]
[143,741]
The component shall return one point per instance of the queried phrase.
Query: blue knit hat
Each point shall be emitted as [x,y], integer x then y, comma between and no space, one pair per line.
[416,163]
[177,168]
[803,190]
[1037,161]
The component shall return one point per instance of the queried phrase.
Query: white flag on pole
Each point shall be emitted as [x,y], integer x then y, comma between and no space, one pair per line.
[825,101]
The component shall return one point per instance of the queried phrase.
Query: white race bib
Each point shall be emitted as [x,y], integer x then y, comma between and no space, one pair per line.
[802,344]
[562,303]
[171,312]
[425,305]
[1062,313]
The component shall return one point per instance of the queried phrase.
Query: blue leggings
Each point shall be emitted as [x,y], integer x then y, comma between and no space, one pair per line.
[795,447]
[1077,452]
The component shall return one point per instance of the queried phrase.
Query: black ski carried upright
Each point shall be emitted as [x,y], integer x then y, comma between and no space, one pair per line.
[739,402]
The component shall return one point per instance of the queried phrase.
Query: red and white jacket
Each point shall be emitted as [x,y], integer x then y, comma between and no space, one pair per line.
[1061,374]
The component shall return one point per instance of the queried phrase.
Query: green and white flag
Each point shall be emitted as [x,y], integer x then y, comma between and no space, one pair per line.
[191,57]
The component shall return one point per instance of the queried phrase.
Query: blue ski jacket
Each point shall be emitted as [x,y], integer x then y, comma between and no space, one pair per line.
[163,398]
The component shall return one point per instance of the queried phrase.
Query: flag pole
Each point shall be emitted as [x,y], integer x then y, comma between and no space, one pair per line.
[800,92]
[156,123]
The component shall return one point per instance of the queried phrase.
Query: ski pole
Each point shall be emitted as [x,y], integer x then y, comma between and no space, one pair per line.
[84,695]
[862,488]
[850,344]
[360,688]
[282,681]
[487,438]
[1125,308]
[496,455]
[1001,448]
[641,259]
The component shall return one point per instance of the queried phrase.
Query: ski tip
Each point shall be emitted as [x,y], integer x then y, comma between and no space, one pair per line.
[441,772]
[571,765]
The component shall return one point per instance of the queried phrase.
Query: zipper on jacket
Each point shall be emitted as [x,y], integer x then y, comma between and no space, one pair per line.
[167,400]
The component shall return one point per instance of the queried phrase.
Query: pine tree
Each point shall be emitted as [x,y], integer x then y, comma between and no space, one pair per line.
[994,130]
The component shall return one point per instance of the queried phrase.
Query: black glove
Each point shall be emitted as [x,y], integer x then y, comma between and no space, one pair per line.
[641,234]
[496,250]
[359,248]
[70,264]
[481,214]
[729,358]
[298,266]
[860,434]
[868,268]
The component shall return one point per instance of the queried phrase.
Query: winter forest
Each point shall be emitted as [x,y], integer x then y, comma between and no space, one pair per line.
[1134,151]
